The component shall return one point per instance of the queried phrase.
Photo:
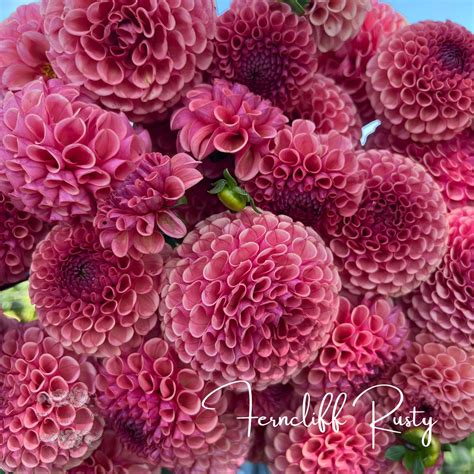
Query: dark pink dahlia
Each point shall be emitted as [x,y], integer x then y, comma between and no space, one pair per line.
[421,81]
[136,57]
[347,65]
[250,297]
[449,162]
[87,298]
[153,401]
[229,119]
[48,421]
[308,176]
[23,48]
[398,235]
[444,304]
[330,108]
[138,211]
[367,340]
[20,232]
[268,48]
[58,154]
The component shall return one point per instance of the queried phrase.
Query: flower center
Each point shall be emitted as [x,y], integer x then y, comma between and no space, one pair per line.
[81,275]
[453,57]
[301,206]
[48,72]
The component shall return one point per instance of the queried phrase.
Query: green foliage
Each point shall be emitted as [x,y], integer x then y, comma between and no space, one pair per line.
[460,457]
[15,303]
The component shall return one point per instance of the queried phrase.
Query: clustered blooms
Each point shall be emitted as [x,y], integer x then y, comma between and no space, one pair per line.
[190,199]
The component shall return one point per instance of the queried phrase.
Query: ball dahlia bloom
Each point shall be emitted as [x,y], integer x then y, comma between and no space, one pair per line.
[421,83]
[268,48]
[449,162]
[59,154]
[308,176]
[230,119]
[444,304]
[250,297]
[153,401]
[399,233]
[367,340]
[330,108]
[20,232]
[137,57]
[347,65]
[87,298]
[138,211]
[48,422]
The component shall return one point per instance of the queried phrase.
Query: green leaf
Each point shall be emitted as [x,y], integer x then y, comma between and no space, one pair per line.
[395,453]
[241,191]
[446,448]
[418,467]
[218,186]
[409,460]
[297,6]
[230,179]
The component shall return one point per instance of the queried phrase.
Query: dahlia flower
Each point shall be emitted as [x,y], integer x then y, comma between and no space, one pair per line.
[399,233]
[134,216]
[367,339]
[421,83]
[347,65]
[308,176]
[154,403]
[48,422]
[330,108]
[23,49]
[251,297]
[444,304]
[59,154]
[20,232]
[90,300]
[136,57]
[268,48]
[438,379]
[450,162]
[229,119]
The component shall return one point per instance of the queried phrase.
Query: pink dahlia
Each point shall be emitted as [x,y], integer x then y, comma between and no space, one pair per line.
[59,154]
[230,119]
[23,48]
[268,48]
[308,176]
[136,57]
[444,304]
[347,65]
[438,379]
[250,297]
[20,232]
[153,401]
[399,233]
[330,108]
[366,340]
[48,422]
[139,210]
[89,299]
[450,162]
[421,82]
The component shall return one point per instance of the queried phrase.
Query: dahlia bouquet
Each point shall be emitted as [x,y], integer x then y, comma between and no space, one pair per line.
[200,262]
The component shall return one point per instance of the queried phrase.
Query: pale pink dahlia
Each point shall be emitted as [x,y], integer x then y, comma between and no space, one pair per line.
[399,233]
[347,65]
[89,299]
[449,162]
[136,57]
[138,211]
[250,297]
[444,304]
[230,119]
[153,401]
[438,379]
[20,232]
[48,422]
[421,81]
[308,176]
[265,46]
[335,21]
[366,340]
[59,154]
[23,48]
